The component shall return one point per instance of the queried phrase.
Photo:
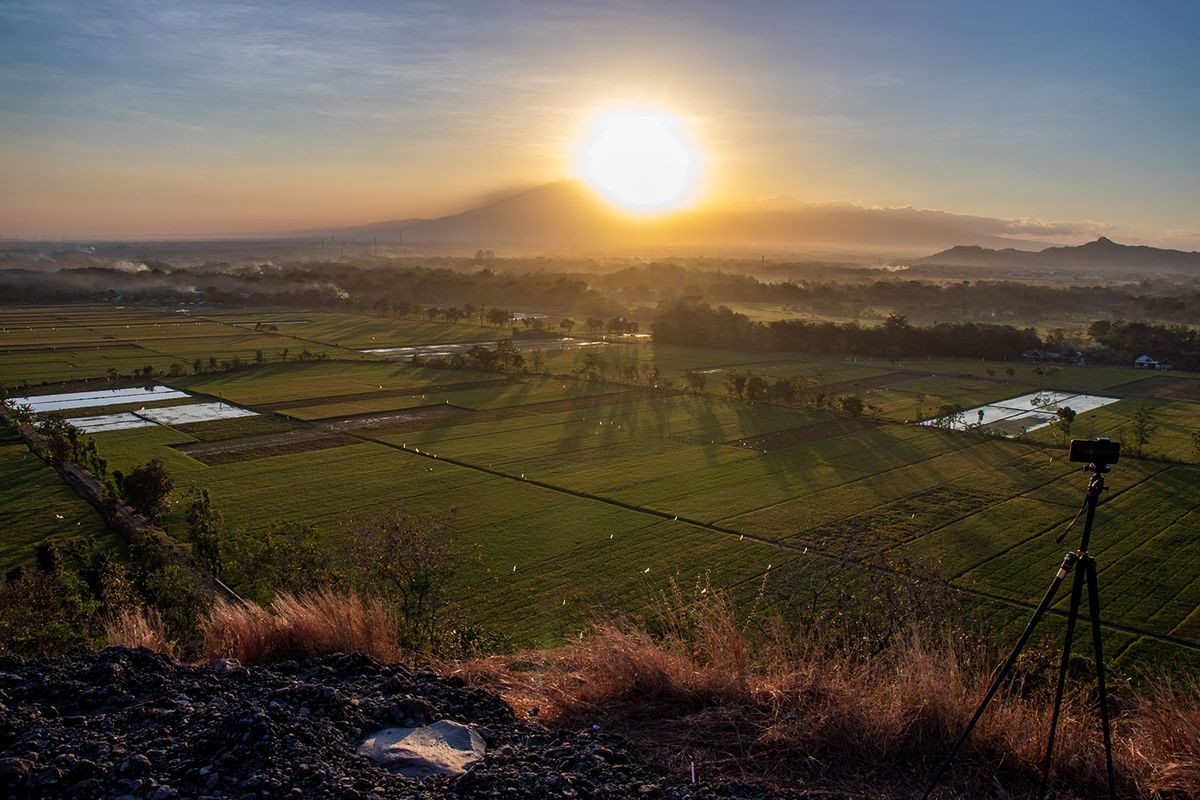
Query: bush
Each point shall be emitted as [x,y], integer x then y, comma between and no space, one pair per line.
[47,613]
[175,592]
[410,560]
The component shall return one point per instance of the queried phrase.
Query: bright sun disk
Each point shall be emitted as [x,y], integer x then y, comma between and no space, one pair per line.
[641,159]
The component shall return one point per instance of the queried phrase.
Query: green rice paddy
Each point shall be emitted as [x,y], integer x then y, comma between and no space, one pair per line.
[578,498]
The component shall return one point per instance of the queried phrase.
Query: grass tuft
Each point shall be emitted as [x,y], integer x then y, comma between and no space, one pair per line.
[141,627]
[298,626]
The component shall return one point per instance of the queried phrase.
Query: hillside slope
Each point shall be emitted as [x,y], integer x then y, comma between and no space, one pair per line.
[131,723]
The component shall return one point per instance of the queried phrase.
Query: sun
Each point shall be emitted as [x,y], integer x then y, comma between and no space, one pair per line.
[641,159]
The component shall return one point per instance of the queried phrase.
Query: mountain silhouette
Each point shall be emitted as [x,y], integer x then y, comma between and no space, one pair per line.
[1101,255]
[567,214]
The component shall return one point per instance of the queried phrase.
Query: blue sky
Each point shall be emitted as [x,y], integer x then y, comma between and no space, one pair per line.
[164,118]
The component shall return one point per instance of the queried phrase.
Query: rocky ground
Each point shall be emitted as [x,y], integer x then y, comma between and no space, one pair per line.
[131,723]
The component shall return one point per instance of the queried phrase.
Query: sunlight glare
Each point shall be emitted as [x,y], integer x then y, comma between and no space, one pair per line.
[641,159]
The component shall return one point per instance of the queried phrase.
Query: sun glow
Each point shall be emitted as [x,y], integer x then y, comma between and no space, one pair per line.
[641,159]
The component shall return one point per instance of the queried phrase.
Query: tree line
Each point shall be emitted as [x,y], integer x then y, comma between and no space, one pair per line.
[685,322]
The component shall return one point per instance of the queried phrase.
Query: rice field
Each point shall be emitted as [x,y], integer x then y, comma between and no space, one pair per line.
[575,498]
[37,506]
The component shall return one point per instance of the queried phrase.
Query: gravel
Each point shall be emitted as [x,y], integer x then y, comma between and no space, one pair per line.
[135,724]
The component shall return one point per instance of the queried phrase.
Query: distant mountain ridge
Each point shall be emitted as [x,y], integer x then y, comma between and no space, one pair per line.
[569,215]
[1102,255]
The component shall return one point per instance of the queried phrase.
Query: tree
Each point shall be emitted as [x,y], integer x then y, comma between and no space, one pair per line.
[61,438]
[567,324]
[146,488]
[282,557]
[949,415]
[1144,427]
[595,325]
[783,390]
[498,316]
[1196,444]
[1063,417]
[592,365]
[696,380]
[851,404]
[922,396]
[735,384]
[756,389]
[413,560]
[205,527]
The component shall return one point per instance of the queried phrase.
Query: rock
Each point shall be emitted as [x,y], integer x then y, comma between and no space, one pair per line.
[443,748]
[13,771]
[225,666]
[411,712]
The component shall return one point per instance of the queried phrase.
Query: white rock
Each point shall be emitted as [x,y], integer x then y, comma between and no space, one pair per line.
[443,748]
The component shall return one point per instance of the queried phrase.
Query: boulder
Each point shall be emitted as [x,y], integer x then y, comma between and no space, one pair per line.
[443,748]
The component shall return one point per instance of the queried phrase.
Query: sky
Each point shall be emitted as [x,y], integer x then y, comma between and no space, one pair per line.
[191,118]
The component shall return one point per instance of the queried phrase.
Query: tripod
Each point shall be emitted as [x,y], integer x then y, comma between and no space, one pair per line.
[1086,572]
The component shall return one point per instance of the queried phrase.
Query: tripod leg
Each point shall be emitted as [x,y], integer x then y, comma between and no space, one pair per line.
[1089,568]
[1072,616]
[1002,673]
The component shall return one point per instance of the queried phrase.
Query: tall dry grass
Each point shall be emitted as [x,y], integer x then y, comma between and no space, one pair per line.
[141,627]
[1162,737]
[700,692]
[297,626]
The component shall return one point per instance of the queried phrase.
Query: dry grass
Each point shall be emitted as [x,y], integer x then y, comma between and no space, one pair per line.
[142,627]
[1162,736]
[823,717]
[297,626]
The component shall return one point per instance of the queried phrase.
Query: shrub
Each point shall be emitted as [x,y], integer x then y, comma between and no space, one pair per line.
[47,613]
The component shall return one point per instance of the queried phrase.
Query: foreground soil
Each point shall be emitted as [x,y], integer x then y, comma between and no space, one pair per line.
[136,724]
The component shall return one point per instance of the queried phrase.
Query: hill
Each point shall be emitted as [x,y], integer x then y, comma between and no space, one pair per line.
[1102,255]
[567,214]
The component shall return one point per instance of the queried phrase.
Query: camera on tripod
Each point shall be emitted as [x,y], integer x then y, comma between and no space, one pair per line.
[1100,452]
[1097,455]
